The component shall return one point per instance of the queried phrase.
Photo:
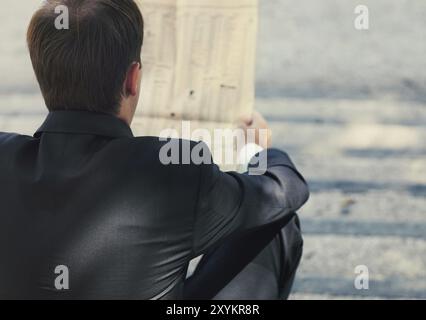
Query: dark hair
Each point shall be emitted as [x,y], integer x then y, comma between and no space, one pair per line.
[84,67]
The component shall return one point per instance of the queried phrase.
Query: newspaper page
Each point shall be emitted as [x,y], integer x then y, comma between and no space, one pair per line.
[198,64]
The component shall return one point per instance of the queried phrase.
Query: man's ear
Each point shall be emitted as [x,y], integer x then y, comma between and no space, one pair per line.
[132,79]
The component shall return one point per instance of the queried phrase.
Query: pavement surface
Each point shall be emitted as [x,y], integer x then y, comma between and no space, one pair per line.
[348,105]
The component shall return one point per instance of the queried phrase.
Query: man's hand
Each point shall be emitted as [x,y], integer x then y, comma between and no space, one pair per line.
[258,123]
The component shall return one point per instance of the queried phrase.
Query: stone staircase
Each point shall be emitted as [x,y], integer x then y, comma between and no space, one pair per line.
[366,165]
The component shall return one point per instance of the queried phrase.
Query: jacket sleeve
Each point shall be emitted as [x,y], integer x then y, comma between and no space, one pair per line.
[231,202]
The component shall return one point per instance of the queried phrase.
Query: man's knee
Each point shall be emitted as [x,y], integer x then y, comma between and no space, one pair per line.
[291,248]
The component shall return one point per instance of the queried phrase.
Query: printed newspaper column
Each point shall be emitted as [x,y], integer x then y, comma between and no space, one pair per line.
[199,66]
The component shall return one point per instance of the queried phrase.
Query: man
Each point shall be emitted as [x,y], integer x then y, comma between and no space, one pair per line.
[88,211]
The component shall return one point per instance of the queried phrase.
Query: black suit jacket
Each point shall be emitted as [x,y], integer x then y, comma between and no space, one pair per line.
[86,194]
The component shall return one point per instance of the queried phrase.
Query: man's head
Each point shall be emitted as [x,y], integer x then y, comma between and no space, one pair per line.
[94,65]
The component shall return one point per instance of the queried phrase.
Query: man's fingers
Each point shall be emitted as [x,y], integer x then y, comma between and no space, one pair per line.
[245,121]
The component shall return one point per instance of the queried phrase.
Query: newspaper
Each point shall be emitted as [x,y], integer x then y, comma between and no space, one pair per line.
[198,64]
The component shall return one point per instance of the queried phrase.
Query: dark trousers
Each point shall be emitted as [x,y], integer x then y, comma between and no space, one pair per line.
[258,265]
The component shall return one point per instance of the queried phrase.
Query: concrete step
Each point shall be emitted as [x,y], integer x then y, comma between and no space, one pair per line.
[364,228]
[341,112]
[382,205]
[397,266]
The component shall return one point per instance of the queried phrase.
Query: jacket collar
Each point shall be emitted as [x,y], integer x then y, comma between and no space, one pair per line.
[82,122]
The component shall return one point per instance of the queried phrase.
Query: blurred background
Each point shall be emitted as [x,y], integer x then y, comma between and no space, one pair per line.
[348,105]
